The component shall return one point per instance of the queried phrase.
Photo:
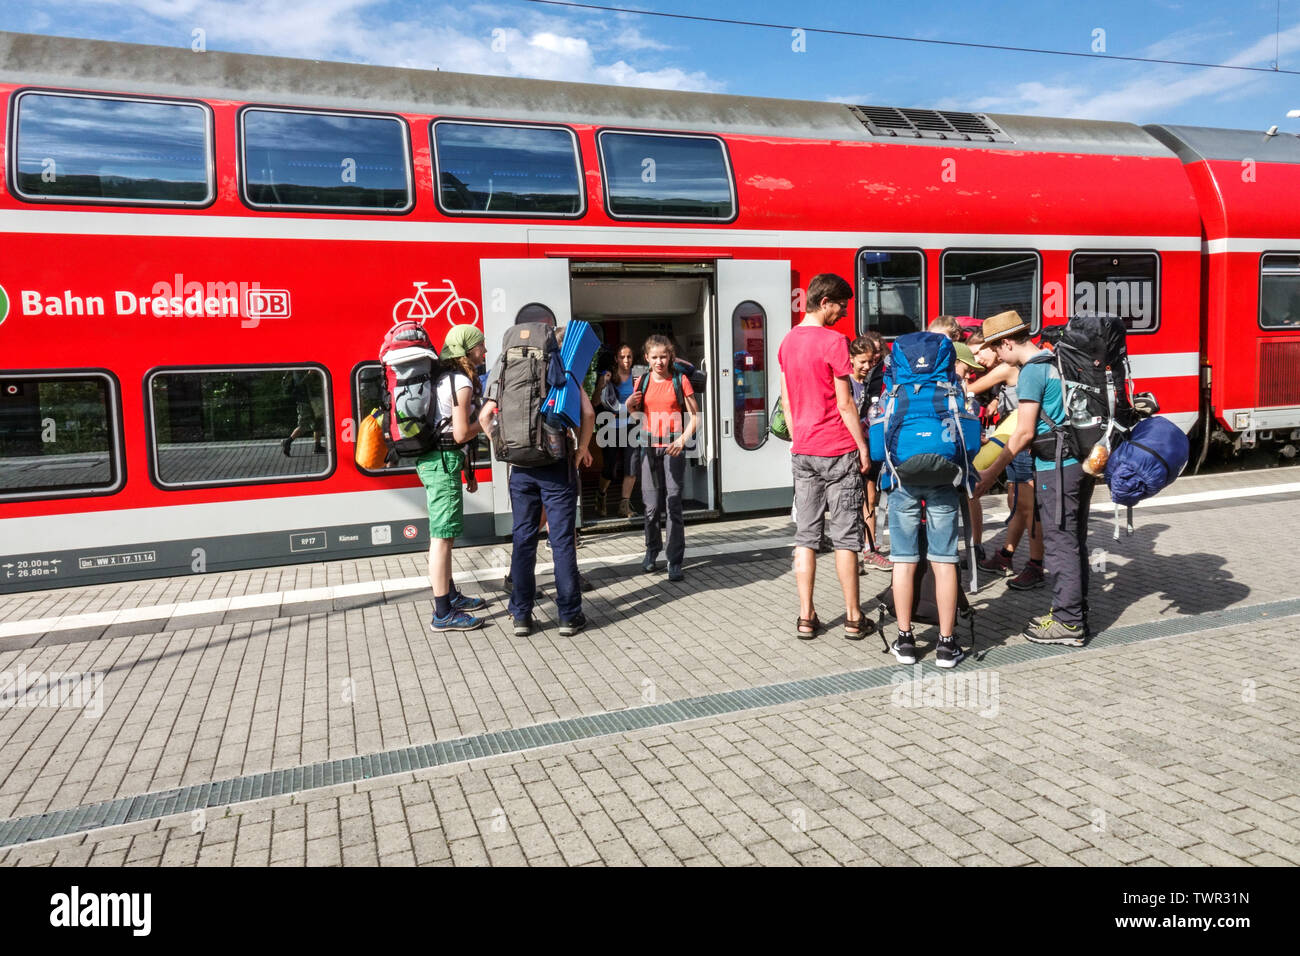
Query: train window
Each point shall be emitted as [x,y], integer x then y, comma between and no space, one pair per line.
[58,435]
[749,383]
[239,425]
[1279,290]
[487,169]
[366,385]
[982,284]
[1126,284]
[84,148]
[337,161]
[891,291]
[666,176]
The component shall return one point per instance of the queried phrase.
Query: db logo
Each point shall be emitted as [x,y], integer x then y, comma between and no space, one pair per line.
[410,531]
[268,304]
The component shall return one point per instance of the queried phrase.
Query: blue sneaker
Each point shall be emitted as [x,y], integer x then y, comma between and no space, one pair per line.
[456,621]
[468,603]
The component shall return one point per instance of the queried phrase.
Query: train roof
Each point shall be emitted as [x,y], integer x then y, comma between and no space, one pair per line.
[32,59]
[1195,144]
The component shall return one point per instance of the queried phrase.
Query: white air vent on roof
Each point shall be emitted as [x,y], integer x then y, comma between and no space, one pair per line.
[929,124]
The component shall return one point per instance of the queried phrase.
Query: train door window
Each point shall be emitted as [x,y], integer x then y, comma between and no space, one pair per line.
[891,291]
[225,426]
[984,283]
[666,176]
[338,161]
[100,149]
[749,384]
[1279,290]
[367,383]
[1126,284]
[490,169]
[59,435]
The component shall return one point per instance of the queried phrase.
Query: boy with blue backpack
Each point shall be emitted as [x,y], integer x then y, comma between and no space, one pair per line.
[927,442]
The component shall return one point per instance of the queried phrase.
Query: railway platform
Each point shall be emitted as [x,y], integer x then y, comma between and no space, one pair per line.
[305,715]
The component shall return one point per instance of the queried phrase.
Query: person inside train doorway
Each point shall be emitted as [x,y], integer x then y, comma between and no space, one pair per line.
[671,414]
[615,388]
[455,392]
[828,452]
[1065,531]
[554,488]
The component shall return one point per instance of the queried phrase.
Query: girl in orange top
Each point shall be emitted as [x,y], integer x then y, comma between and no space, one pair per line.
[663,465]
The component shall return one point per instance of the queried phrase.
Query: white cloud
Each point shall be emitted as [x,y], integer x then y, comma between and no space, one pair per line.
[851,99]
[630,38]
[481,39]
[1145,97]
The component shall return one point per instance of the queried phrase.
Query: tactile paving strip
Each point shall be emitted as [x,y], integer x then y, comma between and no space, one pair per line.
[294,779]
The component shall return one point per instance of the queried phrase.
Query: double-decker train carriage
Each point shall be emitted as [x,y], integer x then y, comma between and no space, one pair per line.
[200,253]
[1247,187]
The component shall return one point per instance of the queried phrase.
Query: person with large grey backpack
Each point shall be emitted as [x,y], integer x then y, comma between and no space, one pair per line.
[1072,400]
[542,456]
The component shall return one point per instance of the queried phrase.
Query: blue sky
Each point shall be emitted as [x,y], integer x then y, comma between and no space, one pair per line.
[519,38]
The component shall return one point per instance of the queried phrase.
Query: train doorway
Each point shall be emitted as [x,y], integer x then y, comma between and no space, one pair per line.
[726,317]
[626,303]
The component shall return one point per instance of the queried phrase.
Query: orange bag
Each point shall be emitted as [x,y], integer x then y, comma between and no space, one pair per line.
[372,450]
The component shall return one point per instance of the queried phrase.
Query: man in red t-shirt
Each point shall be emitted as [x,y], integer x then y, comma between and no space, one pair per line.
[828,453]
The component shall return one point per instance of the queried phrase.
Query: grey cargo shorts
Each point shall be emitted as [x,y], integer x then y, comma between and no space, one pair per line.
[822,484]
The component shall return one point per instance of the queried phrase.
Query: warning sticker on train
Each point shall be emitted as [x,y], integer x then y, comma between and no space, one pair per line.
[4,304]
[410,531]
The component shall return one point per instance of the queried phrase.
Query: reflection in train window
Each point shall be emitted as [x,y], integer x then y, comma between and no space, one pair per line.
[366,389]
[749,385]
[325,160]
[891,291]
[507,170]
[1279,290]
[58,434]
[982,284]
[231,426]
[662,176]
[1126,284]
[99,149]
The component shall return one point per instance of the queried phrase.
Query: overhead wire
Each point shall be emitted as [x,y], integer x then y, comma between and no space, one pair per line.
[829,31]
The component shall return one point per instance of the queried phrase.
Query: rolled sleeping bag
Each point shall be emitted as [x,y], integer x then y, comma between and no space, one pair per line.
[997,441]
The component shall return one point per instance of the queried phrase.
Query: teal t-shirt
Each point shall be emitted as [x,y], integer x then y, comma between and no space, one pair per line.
[1037,385]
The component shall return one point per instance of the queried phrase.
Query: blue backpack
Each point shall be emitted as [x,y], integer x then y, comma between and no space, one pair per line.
[925,437]
[1154,453]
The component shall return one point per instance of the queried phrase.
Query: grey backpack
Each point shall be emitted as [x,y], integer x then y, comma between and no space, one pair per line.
[528,367]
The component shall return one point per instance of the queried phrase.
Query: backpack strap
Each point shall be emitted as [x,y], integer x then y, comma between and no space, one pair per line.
[679,393]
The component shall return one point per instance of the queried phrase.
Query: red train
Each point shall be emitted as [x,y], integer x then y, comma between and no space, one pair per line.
[199,254]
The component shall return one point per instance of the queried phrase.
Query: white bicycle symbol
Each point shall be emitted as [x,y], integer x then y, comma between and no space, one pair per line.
[460,310]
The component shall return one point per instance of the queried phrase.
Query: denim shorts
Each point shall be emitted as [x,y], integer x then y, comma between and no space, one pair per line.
[1021,468]
[941,509]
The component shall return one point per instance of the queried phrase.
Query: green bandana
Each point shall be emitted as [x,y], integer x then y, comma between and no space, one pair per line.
[460,340]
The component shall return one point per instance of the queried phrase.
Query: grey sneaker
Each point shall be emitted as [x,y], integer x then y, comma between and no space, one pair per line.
[1048,630]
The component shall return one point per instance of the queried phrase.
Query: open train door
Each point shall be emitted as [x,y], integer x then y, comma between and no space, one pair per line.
[508,286]
[753,317]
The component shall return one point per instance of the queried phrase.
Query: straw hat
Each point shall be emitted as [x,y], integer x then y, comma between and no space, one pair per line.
[1003,324]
